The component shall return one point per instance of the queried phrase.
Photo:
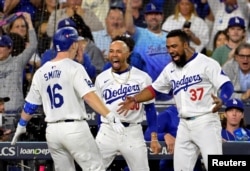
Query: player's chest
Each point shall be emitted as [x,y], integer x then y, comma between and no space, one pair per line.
[187,77]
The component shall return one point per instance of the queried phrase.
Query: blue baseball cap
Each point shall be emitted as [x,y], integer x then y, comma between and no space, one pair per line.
[152,8]
[236,21]
[66,23]
[5,41]
[234,103]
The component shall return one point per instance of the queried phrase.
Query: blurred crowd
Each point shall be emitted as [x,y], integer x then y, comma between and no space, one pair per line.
[215,27]
[219,29]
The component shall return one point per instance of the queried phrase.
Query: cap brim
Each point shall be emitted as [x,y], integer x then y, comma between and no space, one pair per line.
[5,99]
[150,12]
[234,107]
[2,44]
[237,25]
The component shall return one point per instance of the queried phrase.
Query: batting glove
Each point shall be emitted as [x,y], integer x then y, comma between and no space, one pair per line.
[115,122]
[19,130]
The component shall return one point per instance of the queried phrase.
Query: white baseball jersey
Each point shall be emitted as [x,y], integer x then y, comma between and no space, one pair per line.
[192,84]
[59,91]
[113,89]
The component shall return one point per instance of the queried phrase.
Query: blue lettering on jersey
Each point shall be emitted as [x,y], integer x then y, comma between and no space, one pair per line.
[52,74]
[125,90]
[185,82]
[152,50]
[89,82]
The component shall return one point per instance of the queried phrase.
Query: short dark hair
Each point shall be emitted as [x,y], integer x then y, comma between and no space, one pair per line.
[82,28]
[126,39]
[179,33]
[243,45]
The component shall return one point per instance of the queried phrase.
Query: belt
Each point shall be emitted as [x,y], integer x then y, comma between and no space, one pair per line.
[67,120]
[190,118]
[126,124]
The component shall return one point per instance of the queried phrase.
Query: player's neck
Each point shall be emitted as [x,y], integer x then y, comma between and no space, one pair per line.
[61,55]
[189,53]
[122,69]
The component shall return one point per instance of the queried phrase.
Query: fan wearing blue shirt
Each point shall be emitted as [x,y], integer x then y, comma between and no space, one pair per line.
[233,123]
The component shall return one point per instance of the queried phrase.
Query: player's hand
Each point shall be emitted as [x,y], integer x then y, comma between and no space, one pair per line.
[19,130]
[217,102]
[128,104]
[170,141]
[115,122]
[155,146]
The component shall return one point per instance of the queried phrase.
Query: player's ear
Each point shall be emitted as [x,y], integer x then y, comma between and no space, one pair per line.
[185,45]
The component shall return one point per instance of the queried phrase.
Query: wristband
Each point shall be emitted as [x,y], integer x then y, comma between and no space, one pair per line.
[23,122]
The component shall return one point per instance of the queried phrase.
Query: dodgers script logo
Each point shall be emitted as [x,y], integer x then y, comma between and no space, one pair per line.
[124,90]
[185,82]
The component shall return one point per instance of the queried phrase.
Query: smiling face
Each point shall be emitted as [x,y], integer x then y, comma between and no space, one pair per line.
[114,20]
[4,53]
[154,21]
[19,26]
[235,34]
[118,55]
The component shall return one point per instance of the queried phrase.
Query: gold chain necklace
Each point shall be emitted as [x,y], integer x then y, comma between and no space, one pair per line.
[119,81]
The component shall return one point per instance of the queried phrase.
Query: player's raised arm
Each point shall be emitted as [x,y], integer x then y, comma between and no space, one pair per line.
[145,95]
[96,104]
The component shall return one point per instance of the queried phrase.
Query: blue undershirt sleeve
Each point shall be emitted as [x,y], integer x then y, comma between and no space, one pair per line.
[151,117]
[226,91]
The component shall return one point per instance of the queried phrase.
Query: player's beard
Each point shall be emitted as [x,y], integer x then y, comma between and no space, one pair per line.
[182,61]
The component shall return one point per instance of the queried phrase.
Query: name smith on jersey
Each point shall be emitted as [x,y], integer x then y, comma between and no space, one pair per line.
[52,74]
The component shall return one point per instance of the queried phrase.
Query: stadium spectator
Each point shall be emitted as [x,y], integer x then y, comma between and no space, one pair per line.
[72,7]
[236,34]
[150,42]
[88,43]
[223,10]
[100,8]
[18,25]
[220,39]
[4,133]
[186,18]
[40,24]
[233,123]
[168,6]
[137,12]
[13,6]
[11,68]
[114,27]
[167,124]
[238,70]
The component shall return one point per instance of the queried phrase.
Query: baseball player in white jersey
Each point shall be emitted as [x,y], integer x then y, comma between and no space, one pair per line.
[60,86]
[113,85]
[194,80]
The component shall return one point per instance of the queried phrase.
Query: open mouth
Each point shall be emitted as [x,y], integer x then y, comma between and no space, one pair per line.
[116,63]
